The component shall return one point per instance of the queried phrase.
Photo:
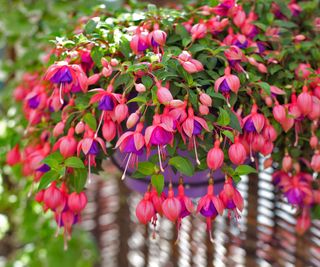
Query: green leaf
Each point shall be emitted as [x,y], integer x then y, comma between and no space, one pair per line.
[74,162]
[91,121]
[157,180]
[124,47]
[183,165]
[139,98]
[90,26]
[146,168]
[78,179]
[244,169]
[181,31]
[224,118]
[265,87]
[53,160]
[147,81]
[236,178]
[234,122]
[229,135]
[47,178]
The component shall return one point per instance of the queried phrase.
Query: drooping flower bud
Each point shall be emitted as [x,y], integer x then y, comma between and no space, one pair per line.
[145,210]
[171,207]
[109,130]
[58,129]
[287,163]
[77,202]
[304,101]
[140,88]
[315,162]
[215,156]
[132,120]
[121,112]
[53,197]
[314,142]
[279,113]
[205,99]
[237,152]
[79,129]
[13,156]
[164,95]
[204,110]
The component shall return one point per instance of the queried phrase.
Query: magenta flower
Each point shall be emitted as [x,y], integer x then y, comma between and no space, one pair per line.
[66,76]
[159,134]
[192,127]
[131,143]
[210,206]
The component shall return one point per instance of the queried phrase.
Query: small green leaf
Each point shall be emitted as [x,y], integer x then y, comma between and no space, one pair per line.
[183,165]
[157,180]
[91,121]
[244,169]
[78,179]
[146,168]
[147,81]
[138,175]
[265,87]
[224,118]
[234,121]
[90,26]
[53,160]
[236,178]
[229,135]
[47,178]
[74,162]
[139,98]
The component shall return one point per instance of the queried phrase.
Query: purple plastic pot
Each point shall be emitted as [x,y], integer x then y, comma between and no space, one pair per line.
[195,186]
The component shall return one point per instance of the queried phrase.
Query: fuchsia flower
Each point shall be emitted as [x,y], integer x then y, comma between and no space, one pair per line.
[231,198]
[235,56]
[145,210]
[109,129]
[297,189]
[171,206]
[163,94]
[107,101]
[315,161]
[139,41]
[198,31]
[188,63]
[67,77]
[186,206]
[227,83]
[159,134]
[239,17]
[157,38]
[210,206]
[215,156]
[77,202]
[13,156]
[216,25]
[223,8]
[157,200]
[287,163]
[303,221]
[131,143]
[254,122]
[90,148]
[67,144]
[192,127]
[237,152]
[304,101]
